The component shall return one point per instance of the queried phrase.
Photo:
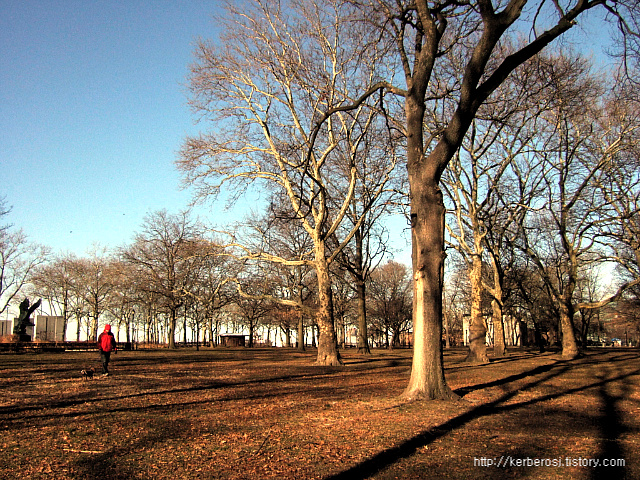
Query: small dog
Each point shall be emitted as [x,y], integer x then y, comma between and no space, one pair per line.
[87,373]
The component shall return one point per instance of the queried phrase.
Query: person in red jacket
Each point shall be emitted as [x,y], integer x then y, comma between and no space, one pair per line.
[106,345]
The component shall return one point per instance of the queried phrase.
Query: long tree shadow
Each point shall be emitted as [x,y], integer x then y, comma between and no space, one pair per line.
[592,359]
[28,412]
[511,378]
[212,385]
[51,409]
[611,426]
[391,456]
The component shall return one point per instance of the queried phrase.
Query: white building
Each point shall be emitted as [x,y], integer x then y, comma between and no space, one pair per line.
[49,328]
[6,327]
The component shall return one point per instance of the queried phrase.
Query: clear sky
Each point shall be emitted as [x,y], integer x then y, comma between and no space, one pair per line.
[93,109]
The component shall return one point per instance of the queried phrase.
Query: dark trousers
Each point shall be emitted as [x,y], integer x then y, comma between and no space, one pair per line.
[104,358]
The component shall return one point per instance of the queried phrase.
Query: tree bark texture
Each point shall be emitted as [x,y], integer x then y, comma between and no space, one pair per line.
[477,326]
[427,207]
[569,345]
[363,342]
[499,345]
[427,238]
[327,343]
[499,348]
[172,328]
[427,371]
[301,347]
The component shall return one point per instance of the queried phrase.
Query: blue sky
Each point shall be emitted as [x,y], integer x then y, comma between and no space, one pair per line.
[93,108]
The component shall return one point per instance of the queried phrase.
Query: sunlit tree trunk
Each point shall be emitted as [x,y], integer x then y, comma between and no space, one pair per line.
[499,348]
[210,328]
[570,348]
[418,28]
[363,342]
[327,345]
[477,325]
[287,336]
[301,346]
[427,211]
[78,327]
[172,328]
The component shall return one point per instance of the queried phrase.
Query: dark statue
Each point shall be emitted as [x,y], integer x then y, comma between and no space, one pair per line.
[24,319]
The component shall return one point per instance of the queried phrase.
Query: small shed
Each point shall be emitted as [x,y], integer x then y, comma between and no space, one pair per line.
[232,340]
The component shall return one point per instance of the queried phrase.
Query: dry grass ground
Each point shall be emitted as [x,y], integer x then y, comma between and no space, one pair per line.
[269,413]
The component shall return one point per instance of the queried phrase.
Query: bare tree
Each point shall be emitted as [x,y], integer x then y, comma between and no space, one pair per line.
[4,210]
[472,184]
[96,284]
[456,303]
[124,296]
[474,31]
[281,236]
[282,87]
[580,144]
[481,176]
[587,291]
[390,299]
[618,189]
[164,252]
[253,308]
[19,259]
[55,282]
[210,287]
[532,302]
[370,207]
[358,259]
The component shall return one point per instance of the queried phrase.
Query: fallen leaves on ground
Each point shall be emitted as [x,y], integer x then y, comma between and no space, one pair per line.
[270,413]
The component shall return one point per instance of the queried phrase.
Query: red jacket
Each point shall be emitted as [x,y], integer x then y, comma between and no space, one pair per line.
[106,342]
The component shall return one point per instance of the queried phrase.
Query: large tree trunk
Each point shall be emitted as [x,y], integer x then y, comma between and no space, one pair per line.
[94,325]
[499,348]
[395,339]
[499,345]
[359,277]
[184,327]
[327,346]
[172,328]
[427,222]
[287,336]
[363,341]
[211,337]
[427,238]
[569,345]
[477,327]
[301,332]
